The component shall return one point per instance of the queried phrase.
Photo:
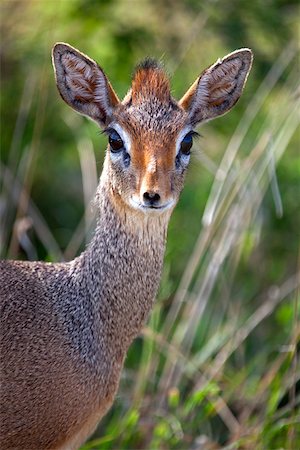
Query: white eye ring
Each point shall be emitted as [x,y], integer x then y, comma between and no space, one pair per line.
[181,136]
[123,135]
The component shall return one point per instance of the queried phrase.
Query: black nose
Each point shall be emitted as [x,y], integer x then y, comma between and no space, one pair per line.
[151,198]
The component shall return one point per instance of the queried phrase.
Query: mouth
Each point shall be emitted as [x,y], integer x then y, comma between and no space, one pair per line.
[159,208]
[154,207]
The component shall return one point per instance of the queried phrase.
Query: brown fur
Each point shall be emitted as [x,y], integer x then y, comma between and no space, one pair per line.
[66,328]
[150,79]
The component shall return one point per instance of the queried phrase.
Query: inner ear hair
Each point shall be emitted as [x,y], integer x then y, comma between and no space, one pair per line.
[82,83]
[219,87]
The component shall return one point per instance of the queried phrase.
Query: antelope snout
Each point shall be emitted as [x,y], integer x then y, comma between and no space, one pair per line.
[154,192]
[151,199]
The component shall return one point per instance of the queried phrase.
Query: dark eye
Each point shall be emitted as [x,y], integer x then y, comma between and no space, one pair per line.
[115,142]
[186,144]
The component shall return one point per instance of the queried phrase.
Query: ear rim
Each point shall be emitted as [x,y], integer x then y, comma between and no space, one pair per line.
[58,50]
[188,100]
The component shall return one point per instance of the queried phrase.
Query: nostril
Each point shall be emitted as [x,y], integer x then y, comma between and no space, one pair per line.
[151,198]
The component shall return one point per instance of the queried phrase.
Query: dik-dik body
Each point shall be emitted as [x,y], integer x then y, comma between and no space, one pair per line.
[66,327]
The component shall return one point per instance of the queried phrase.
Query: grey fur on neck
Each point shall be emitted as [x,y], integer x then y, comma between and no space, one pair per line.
[113,284]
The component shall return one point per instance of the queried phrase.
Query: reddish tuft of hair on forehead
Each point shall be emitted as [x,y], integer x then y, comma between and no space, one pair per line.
[150,80]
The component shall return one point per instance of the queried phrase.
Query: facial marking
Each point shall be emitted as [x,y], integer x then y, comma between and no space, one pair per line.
[155,131]
[136,204]
[152,165]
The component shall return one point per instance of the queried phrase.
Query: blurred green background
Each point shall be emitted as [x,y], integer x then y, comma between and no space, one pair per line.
[216,366]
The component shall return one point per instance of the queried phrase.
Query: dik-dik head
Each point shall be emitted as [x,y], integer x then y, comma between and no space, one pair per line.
[150,134]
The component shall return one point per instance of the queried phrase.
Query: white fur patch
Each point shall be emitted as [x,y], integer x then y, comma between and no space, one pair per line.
[152,166]
[185,159]
[136,204]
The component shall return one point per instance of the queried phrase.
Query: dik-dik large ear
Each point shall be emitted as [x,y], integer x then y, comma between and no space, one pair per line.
[83,84]
[218,88]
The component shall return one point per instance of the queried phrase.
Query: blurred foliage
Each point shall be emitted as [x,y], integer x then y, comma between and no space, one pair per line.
[40,151]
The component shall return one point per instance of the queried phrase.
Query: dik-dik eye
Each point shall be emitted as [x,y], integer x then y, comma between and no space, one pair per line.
[183,155]
[115,141]
[186,144]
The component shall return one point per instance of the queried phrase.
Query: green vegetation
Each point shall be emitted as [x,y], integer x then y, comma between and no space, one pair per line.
[216,366]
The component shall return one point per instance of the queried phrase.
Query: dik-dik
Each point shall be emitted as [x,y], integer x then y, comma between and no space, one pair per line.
[66,327]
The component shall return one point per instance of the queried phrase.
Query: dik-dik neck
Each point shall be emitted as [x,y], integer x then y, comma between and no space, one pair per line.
[121,267]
